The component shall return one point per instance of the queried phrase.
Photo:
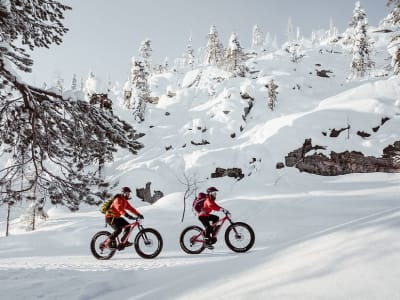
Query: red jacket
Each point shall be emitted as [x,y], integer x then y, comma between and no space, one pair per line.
[208,206]
[119,206]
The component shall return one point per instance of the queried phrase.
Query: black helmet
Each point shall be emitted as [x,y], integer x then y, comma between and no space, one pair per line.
[125,189]
[212,189]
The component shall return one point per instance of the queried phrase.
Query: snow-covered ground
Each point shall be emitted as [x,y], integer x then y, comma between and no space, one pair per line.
[316,237]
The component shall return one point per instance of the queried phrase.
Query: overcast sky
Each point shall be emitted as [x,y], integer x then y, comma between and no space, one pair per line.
[104,34]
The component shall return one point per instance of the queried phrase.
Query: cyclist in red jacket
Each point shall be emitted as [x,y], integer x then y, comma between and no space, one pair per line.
[206,218]
[115,213]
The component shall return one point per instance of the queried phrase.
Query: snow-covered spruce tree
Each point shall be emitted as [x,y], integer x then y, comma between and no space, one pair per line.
[145,52]
[272,92]
[90,86]
[74,83]
[51,143]
[393,20]
[295,51]
[190,59]
[214,49]
[258,40]
[235,57]
[293,45]
[361,63]
[358,16]
[140,91]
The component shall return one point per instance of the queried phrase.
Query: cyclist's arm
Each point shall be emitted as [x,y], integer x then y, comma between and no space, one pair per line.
[131,209]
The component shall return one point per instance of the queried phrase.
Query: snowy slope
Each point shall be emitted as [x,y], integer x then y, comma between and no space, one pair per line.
[316,237]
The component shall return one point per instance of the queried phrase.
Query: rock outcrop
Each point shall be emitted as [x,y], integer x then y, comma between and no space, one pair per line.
[343,163]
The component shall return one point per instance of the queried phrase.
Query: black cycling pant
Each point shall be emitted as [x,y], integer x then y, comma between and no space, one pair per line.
[117,224]
[205,220]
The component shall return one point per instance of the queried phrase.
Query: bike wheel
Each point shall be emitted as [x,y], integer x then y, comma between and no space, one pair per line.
[192,240]
[148,243]
[239,237]
[98,248]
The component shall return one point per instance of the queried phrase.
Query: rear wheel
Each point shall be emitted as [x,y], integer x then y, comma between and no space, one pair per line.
[148,243]
[98,246]
[239,237]
[192,240]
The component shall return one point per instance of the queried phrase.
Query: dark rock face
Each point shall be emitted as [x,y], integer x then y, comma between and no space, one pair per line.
[145,194]
[232,172]
[342,163]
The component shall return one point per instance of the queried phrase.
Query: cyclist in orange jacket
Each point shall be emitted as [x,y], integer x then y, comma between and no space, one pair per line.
[115,213]
[206,218]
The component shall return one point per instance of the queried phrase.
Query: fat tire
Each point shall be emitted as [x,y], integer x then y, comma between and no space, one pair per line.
[93,249]
[159,241]
[182,240]
[245,227]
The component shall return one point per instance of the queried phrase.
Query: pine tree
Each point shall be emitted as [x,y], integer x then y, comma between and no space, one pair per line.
[359,15]
[393,19]
[90,86]
[361,63]
[190,59]
[235,57]
[214,50]
[140,90]
[272,92]
[51,143]
[258,38]
[74,82]
[145,52]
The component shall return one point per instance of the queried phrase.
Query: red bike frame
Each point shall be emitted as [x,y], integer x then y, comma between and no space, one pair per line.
[219,223]
[132,226]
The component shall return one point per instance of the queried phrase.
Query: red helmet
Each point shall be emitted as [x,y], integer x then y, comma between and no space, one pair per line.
[125,189]
[212,189]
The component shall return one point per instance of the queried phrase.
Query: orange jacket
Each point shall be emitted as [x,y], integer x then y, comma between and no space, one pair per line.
[208,206]
[119,206]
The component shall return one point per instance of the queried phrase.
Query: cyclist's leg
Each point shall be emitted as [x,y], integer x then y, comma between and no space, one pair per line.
[213,219]
[206,222]
[117,225]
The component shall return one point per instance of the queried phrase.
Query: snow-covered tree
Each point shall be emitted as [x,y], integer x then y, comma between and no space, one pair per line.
[272,92]
[214,49]
[145,52]
[166,64]
[295,52]
[290,31]
[90,86]
[74,83]
[359,16]
[235,57]
[361,63]
[258,38]
[51,143]
[393,20]
[189,57]
[60,85]
[137,91]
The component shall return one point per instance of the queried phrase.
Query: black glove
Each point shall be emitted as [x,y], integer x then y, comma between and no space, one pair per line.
[225,211]
[128,216]
[140,216]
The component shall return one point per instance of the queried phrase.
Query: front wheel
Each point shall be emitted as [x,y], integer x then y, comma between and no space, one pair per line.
[239,237]
[148,243]
[99,248]
[192,240]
